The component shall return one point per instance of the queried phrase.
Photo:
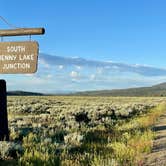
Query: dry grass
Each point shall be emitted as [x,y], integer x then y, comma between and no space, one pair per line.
[83,130]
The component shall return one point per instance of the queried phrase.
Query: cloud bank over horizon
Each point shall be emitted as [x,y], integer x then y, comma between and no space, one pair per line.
[63,74]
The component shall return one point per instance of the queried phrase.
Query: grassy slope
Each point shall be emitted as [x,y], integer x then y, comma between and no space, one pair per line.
[157,90]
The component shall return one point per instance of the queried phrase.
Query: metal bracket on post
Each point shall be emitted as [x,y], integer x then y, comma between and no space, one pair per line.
[4,131]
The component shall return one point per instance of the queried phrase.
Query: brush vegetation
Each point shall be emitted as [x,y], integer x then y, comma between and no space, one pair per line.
[80,131]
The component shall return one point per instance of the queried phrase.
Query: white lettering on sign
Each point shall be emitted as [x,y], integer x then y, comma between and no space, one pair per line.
[18,57]
[8,57]
[26,57]
[16,66]
[16,49]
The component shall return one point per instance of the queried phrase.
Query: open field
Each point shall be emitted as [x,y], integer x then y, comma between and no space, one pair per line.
[70,130]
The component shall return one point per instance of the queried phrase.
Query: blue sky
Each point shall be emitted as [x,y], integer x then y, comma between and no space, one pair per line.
[122,31]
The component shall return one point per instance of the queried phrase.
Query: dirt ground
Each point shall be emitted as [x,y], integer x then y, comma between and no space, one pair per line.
[158,155]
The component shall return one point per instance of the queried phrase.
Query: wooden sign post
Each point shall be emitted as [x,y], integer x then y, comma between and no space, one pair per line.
[4,131]
[22,32]
[15,57]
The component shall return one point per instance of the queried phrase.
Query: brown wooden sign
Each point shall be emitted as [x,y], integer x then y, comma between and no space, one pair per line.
[18,57]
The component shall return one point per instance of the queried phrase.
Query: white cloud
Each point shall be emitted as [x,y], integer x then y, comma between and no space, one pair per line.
[44,63]
[145,70]
[58,72]
[74,74]
[49,76]
[99,70]
[107,67]
[115,67]
[92,77]
[78,67]
[29,75]
[60,67]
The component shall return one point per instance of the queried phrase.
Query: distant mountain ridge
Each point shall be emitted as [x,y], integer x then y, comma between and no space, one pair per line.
[156,90]
[23,93]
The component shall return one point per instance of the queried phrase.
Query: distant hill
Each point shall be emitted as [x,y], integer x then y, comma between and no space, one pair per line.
[156,90]
[23,93]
